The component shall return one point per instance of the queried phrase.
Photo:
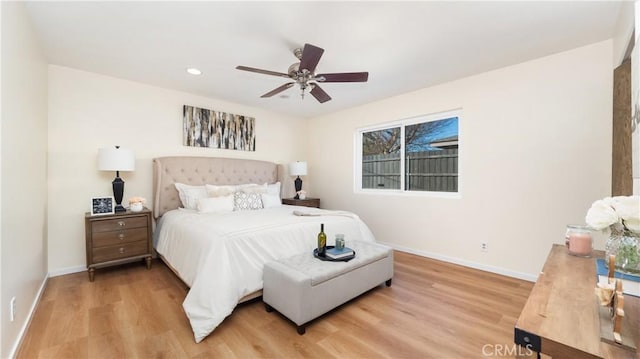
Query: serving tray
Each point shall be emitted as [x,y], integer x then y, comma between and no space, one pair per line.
[323,258]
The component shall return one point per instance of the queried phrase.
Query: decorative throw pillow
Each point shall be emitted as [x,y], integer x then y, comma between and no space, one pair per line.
[220,191]
[215,204]
[246,201]
[189,195]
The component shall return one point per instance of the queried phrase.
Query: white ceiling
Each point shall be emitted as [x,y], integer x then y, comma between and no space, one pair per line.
[404,45]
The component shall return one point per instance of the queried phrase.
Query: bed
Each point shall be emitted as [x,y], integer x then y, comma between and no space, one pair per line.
[221,254]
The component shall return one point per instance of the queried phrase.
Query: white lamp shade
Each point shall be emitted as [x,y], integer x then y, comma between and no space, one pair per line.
[116,159]
[298,168]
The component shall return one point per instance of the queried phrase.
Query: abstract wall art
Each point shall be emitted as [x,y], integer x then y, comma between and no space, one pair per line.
[217,129]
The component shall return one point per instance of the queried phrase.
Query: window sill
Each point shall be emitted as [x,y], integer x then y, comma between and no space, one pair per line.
[399,193]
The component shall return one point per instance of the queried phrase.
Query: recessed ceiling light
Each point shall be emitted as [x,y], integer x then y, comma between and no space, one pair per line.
[194,71]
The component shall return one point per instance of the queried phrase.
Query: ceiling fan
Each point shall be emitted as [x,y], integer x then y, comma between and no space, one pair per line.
[303,74]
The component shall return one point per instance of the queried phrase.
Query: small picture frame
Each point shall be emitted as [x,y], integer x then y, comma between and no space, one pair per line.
[102,205]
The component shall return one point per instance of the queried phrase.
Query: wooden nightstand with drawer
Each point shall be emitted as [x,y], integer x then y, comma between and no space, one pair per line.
[307,202]
[117,238]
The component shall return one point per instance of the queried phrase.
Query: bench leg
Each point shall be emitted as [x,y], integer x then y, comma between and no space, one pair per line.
[268,308]
[301,329]
[388,283]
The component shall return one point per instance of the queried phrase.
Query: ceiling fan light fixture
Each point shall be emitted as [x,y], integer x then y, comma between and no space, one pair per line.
[293,70]
[194,71]
[304,75]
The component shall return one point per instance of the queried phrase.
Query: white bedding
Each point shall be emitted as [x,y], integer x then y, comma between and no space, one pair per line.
[221,255]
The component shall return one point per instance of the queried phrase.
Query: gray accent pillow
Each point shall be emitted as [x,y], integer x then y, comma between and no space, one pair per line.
[246,201]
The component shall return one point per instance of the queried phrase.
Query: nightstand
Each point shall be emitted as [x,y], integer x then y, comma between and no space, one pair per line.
[307,202]
[117,238]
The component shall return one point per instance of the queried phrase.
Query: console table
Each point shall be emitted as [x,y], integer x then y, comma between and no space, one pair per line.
[561,316]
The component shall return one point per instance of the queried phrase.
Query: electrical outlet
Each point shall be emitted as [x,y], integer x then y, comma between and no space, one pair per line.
[12,309]
[484,246]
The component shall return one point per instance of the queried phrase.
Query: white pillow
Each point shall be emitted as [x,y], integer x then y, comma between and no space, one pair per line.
[215,204]
[189,195]
[252,188]
[246,201]
[220,191]
[274,189]
[270,200]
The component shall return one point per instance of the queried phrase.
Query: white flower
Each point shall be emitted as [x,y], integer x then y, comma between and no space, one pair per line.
[601,215]
[133,200]
[633,224]
[628,208]
[621,211]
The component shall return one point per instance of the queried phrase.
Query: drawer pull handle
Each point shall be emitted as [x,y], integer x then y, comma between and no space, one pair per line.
[121,250]
[121,223]
[121,236]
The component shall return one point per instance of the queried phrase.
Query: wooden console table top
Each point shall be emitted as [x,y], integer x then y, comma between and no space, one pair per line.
[561,315]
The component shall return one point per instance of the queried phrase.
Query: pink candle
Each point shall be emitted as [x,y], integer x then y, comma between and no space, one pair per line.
[580,244]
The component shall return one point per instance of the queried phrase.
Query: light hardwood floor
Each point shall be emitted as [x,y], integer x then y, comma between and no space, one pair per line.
[432,310]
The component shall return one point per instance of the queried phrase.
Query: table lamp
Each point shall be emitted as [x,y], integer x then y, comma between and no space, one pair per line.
[116,159]
[298,168]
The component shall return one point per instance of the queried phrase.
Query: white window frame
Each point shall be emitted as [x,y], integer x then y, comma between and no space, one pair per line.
[357,151]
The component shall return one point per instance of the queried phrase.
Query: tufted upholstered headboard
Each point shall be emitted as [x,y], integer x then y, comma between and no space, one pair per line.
[204,170]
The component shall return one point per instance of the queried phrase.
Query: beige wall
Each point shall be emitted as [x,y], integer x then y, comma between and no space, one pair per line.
[88,111]
[535,144]
[24,172]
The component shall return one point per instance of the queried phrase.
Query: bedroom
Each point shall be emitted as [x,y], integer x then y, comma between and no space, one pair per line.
[72,112]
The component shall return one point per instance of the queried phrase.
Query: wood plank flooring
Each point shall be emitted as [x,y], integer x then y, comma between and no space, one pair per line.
[432,310]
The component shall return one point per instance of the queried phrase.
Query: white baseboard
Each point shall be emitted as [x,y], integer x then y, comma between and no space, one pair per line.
[26,323]
[68,270]
[462,262]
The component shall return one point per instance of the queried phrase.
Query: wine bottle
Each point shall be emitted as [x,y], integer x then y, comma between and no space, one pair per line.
[322,241]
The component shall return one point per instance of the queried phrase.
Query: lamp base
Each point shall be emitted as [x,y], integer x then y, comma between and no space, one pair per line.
[298,185]
[118,191]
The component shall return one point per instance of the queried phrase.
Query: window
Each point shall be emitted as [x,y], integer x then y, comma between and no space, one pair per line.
[417,154]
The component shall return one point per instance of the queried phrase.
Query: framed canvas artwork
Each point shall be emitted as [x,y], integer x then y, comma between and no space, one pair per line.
[217,129]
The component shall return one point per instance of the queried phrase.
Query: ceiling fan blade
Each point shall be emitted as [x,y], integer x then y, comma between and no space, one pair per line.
[260,71]
[310,57]
[319,94]
[278,90]
[343,77]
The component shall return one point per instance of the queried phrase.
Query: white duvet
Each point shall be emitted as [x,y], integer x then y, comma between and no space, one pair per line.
[221,255]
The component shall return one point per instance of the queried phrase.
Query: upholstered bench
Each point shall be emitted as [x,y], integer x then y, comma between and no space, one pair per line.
[303,287]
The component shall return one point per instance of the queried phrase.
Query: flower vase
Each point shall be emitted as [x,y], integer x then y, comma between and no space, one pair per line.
[625,245]
[136,207]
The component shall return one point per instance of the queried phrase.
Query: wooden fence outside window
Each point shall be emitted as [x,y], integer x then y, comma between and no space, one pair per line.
[435,171]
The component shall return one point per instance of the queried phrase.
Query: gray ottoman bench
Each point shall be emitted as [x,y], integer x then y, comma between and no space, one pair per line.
[303,287]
